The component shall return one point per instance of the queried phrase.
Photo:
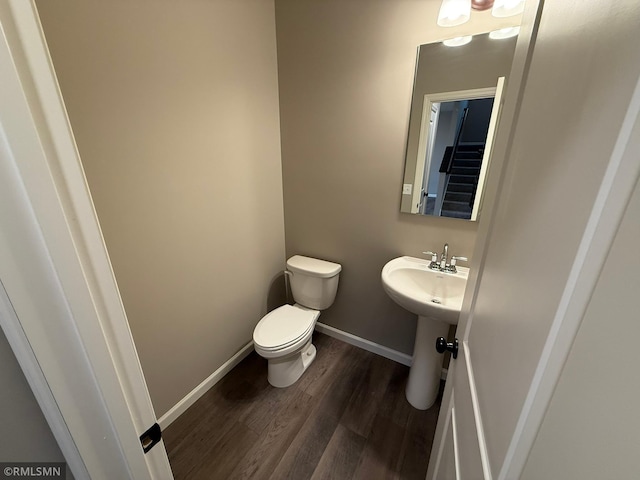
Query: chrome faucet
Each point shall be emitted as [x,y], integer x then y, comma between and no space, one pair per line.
[451,268]
[443,265]
[444,258]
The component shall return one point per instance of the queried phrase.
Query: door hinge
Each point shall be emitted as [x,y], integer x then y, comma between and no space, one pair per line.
[149,438]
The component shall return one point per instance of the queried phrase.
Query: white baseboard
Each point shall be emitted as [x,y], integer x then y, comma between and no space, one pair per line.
[180,407]
[367,345]
[191,398]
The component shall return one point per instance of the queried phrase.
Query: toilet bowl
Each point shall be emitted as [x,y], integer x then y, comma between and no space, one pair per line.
[283,336]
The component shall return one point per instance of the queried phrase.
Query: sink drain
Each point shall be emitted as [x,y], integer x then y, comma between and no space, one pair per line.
[436,300]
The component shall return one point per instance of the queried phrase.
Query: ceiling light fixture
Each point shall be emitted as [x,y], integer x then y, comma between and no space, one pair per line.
[504,33]
[458,41]
[507,8]
[454,12]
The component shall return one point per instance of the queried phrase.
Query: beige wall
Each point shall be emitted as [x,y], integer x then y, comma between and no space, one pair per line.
[345,74]
[174,106]
[592,427]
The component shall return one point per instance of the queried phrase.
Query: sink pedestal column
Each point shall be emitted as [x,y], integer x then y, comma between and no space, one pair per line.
[426,368]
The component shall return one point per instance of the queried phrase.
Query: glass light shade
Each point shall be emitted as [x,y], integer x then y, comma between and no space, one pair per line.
[454,12]
[458,41]
[507,8]
[504,33]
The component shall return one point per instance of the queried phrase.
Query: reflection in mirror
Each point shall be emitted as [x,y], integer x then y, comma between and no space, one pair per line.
[454,114]
[453,144]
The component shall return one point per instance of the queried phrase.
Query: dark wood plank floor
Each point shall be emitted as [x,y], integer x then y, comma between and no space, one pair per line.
[346,418]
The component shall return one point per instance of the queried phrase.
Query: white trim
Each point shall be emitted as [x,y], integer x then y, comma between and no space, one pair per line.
[459,95]
[477,416]
[61,250]
[615,191]
[425,141]
[364,344]
[488,147]
[456,448]
[444,424]
[74,199]
[194,395]
[35,378]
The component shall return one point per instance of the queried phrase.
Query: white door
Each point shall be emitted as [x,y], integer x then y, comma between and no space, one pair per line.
[562,192]
[488,147]
[428,127]
[426,167]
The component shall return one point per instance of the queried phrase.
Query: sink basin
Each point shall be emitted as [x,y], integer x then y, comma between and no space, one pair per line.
[430,293]
[436,297]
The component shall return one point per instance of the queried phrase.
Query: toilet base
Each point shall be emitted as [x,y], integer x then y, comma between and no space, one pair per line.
[285,371]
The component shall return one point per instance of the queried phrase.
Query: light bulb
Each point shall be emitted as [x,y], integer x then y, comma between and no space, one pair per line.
[507,8]
[454,12]
[458,41]
[504,33]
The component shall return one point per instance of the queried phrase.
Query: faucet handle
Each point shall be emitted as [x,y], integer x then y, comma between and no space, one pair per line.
[434,260]
[454,259]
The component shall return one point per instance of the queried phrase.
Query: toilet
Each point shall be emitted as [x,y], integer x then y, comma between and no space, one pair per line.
[283,336]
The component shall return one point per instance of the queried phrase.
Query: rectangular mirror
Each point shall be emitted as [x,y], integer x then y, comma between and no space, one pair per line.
[454,114]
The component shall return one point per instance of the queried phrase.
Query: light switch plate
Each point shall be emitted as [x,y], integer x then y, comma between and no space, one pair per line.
[406,188]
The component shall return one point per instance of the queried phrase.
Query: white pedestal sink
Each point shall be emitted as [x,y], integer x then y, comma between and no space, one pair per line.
[436,297]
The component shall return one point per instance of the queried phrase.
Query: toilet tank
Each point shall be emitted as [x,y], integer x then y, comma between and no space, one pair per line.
[314,282]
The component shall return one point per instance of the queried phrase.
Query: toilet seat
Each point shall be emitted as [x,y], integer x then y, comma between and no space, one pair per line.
[284,327]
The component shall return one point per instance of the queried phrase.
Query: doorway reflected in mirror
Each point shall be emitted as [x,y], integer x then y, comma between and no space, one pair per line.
[473,72]
[457,138]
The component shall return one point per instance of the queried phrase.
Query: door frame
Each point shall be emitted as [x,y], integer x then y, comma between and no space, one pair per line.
[66,249]
[428,131]
[617,185]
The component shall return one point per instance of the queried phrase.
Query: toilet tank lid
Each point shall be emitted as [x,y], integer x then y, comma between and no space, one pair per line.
[313,266]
